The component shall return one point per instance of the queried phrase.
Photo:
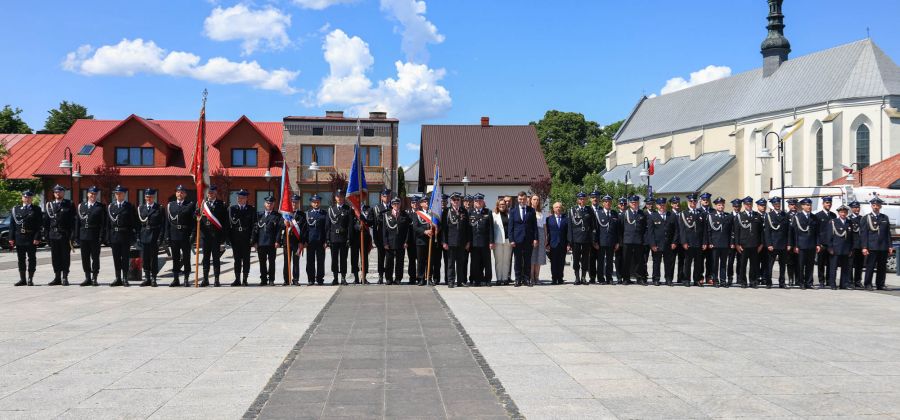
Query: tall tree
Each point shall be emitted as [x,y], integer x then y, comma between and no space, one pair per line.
[11,122]
[61,119]
[565,137]
[401,184]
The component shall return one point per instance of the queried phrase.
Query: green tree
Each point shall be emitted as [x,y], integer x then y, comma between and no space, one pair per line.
[61,119]
[11,122]
[401,184]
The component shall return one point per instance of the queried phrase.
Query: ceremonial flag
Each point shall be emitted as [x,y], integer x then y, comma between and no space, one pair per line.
[199,169]
[650,169]
[434,206]
[357,190]
[285,207]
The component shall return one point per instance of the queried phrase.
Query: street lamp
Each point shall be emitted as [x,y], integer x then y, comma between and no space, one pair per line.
[627,182]
[465,181]
[764,154]
[645,173]
[76,175]
[851,178]
[314,168]
[268,176]
[66,163]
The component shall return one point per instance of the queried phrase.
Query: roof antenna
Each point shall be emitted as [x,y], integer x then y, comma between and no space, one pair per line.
[867,33]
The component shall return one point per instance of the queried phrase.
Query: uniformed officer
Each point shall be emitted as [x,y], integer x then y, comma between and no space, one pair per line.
[455,240]
[296,240]
[762,272]
[91,231]
[266,236]
[411,257]
[426,235]
[660,244]
[643,266]
[593,262]
[213,233]
[25,235]
[733,254]
[748,240]
[241,221]
[793,208]
[857,260]
[316,224]
[805,243]
[152,220]
[581,236]
[384,204]
[876,241]
[338,225]
[179,229]
[394,240]
[824,216]
[367,214]
[445,254]
[634,227]
[482,227]
[776,237]
[839,240]
[706,254]
[620,252]
[719,238]
[672,228]
[692,235]
[59,228]
[123,225]
[468,205]
[606,239]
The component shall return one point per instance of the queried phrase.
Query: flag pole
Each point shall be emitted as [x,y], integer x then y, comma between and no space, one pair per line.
[287,240]
[199,182]
[362,226]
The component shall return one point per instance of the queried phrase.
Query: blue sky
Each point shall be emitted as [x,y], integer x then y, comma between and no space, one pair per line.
[433,61]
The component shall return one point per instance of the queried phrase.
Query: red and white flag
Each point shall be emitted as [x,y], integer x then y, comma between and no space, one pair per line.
[199,169]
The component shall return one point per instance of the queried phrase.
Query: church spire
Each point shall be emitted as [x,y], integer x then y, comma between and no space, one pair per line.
[775,48]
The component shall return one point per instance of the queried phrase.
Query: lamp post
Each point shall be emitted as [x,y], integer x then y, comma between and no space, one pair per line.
[627,182]
[645,174]
[66,163]
[76,175]
[465,181]
[314,168]
[268,176]
[852,178]
[765,154]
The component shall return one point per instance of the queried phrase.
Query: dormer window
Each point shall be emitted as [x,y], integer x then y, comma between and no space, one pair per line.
[134,156]
[243,158]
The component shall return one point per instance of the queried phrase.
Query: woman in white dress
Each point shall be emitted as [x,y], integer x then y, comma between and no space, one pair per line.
[539,253]
[502,249]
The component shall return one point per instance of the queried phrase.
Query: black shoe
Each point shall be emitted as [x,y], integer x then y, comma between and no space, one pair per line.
[86,282]
[335,281]
[22,282]
[175,282]
[65,279]
[94,280]
[236,282]
[56,282]
[204,283]
[186,282]
[153,281]
[146,281]
[125,283]
[216,282]
[116,283]
[870,288]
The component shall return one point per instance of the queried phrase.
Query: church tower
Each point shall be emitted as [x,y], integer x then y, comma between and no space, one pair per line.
[775,48]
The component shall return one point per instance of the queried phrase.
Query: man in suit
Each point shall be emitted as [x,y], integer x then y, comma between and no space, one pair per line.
[876,242]
[776,237]
[267,235]
[581,236]
[805,243]
[179,229]
[720,239]
[316,222]
[454,233]
[692,236]
[241,221]
[213,231]
[824,217]
[857,260]
[481,224]
[153,221]
[557,242]
[606,240]
[25,234]
[522,238]
[91,231]
[634,228]
[660,243]
[839,240]
[123,225]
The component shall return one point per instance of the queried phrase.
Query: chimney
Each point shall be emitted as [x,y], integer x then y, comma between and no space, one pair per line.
[485,121]
[334,114]
[775,48]
[377,115]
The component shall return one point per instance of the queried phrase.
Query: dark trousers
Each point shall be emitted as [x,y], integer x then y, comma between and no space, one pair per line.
[150,259]
[315,263]
[381,255]
[522,262]
[593,260]
[212,252]
[266,255]
[876,260]
[393,264]
[422,262]
[412,257]
[857,261]
[732,259]
[456,264]
[822,265]
[764,273]
[339,258]
[26,254]
[120,258]
[707,263]
[693,258]
[790,260]
[90,256]
[295,267]
[806,262]
[241,254]
[679,258]
[719,271]
[581,259]
[60,250]
[620,258]
[663,259]
[748,261]
[558,263]
[181,256]
[643,272]
[604,263]
[480,269]
[354,259]
[631,254]
[446,256]
[782,256]
[842,262]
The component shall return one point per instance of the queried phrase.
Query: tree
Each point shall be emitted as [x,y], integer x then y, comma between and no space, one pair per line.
[11,122]
[107,178]
[222,181]
[541,188]
[401,184]
[338,181]
[60,120]
[564,136]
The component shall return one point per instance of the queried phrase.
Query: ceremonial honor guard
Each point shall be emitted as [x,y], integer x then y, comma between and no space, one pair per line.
[426,236]
[805,243]
[481,224]
[672,228]
[824,218]
[719,240]
[620,252]
[606,238]
[361,223]
[748,241]
[179,230]
[296,240]
[839,240]
[123,224]
[634,228]
[594,274]
[876,242]
[213,234]
[411,256]
[793,204]
[581,235]
[523,239]
[241,222]
[857,260]
[338,226]
[776,224]
[763,274]
[316,225]
[454,234]
[660,243]
[266,235]
[152,220]
[733,254]
[445,254]
[706,254]
[394,240]
[25,235]
[59,227]
[384,204]
[91,231]
[692,235]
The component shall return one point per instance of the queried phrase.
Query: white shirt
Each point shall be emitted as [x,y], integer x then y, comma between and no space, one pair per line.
[522,212]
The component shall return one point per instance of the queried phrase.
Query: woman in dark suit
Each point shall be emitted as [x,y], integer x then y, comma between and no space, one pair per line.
[557,242]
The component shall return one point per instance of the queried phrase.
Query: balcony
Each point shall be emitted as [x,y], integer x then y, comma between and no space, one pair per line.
[374,174]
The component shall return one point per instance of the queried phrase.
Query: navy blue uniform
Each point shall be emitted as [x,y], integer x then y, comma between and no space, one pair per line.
[179,230]
[455,235]
[339,223]
[606,236]
[316,225]
[776,235]
[838,237]
[634,227]
[123,226]
[91,231]
[748,236]
[805,239]
[394,239]
[691,234]
[59,228]
[857,259]
[581,232]
[24,229]
[266,234]
[241,220]
[481,226]
[720,238]
[152,222]
[298,235]
[660,238]
[875,237]
[823,217]
[213,233]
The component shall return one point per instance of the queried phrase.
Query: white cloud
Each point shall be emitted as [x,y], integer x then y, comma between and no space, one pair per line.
[320,4]
[254,27]
[414,94]
[413,147]
[417,32]
[707,74]
[130,57]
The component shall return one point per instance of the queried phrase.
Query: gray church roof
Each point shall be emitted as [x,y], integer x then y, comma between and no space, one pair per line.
[856,70]
[678,175]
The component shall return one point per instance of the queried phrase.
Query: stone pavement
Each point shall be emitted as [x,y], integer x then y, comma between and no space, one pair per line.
[383,352]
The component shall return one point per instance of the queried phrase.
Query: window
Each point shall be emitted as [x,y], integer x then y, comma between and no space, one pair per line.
[371,155]
[819,157]
[134,156]
[261,199]
[368,132]
[318,131]
[324,155]
[86,149]
[243,157]
[862,146]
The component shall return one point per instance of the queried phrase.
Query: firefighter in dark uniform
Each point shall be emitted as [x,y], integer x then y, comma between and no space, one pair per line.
[634,228]
[340,217]
[581,236]
[620,251]
[875,236]
[805,243]
[411,257]
[733,254]
[776,224]
[180,227]
[213,233]
[481,224]
[25,235]
[857,260]
[706,254]
[316,222]
[91,231]
[455,240]
[594,261]
[692,236]
[445,199]
[362,223]
[384,204]
[839,240]
[426,236]
[394,240]
[791,256]
[123,225]
[606,238]
[763,274]
[296,240]
[672,232]
[719,239]
[152,220]
[660,243]
[748,241]
[468,205]
[241,220]
[266,235]
[824,217]
[59,228]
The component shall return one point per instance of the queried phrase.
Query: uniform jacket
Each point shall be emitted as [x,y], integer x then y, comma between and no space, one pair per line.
[748,229]
[855,221]
[838,236]
[316,221]
[823,218]
[25,224]
[420,225]
[581,225]
[719,229]
[368,216]
[806,231]
[91,223]
[394,230]
[455,227]
[268,228]
[240,224]
[338,224]
[692,228]
[875,233]
[377,226]
[123,223]
[656,230]
[152,222]
[481,225]
[181,223]
[606,230]
[776,229]
[59,220]
[299,220]
[522,230]
[208,229]
[634,226]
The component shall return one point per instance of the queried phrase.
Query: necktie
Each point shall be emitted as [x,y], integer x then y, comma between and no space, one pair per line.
[557,221]
[522,212]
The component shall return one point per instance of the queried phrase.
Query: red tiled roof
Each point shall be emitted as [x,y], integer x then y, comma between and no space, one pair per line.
[881,174]
[150,125]
[495,154]
[182,135]
[27,152]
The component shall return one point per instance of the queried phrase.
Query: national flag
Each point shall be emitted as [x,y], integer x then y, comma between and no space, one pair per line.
[285,207]
[650,169]
[199,167]
[847,169]
[357,190]
[434,206]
